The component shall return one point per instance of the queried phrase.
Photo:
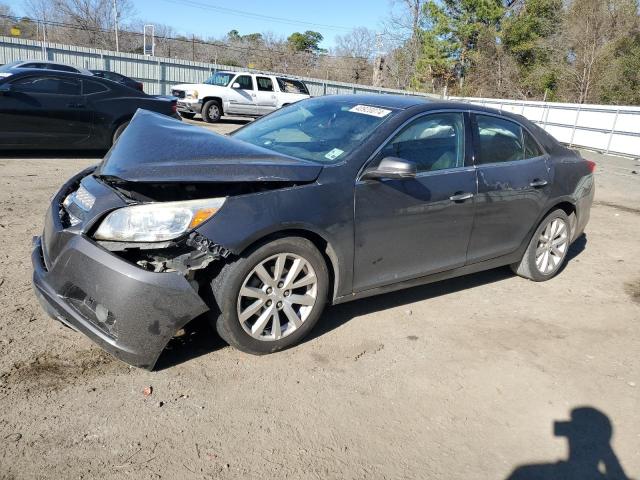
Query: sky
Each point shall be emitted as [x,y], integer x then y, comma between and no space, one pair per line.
[213,18]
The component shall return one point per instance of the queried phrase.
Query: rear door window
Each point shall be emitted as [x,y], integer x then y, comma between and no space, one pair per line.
[47,84]
[264,84]
[91,87]
[500,140]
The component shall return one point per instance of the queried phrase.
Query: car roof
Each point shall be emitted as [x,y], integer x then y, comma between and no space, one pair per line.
[18,71]
[17,65]
[421,103]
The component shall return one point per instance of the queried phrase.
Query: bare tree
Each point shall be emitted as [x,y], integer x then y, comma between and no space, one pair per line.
[591,26]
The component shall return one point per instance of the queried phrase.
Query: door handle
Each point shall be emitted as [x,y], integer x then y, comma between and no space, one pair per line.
[75,105]
[461,197]
[538,183]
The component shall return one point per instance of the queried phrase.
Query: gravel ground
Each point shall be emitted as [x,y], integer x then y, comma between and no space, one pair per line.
[455,380]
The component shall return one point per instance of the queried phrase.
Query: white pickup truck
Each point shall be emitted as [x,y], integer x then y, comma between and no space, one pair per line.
[237,94]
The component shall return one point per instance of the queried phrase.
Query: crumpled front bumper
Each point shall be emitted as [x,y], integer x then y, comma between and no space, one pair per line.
[190,106]
[130,312]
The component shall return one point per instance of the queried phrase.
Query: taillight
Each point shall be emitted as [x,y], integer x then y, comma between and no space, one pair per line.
[591,165]
[174,107]
[141,86]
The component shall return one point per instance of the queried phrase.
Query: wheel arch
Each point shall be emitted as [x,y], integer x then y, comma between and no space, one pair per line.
[319,241]
[569,207]
[213,97]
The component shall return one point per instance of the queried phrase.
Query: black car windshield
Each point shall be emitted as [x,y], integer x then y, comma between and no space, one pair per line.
[220,79]
[322,130]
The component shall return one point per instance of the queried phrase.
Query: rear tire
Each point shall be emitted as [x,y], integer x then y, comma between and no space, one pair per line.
[211,111]
[271,297]
[187,115]
[547,250]
[119,131]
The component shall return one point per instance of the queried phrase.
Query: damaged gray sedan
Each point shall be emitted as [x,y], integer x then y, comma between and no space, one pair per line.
[327,200]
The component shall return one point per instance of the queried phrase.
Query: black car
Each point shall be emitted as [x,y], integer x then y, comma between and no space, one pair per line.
[330,199]
[60,110]
[118,78]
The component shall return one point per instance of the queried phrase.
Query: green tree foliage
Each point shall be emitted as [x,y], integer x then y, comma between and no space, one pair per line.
[571,50]
[527,35]
[308,41]
[457,24]
[525,32]
[620,83]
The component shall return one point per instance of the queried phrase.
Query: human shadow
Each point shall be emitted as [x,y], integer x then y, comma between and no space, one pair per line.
[591,456]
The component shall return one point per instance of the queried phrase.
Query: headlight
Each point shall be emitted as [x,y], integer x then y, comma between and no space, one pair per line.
[155,222]
[192,94]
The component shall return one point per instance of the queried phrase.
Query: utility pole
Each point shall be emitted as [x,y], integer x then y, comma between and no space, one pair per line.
[378,64]
[115,18]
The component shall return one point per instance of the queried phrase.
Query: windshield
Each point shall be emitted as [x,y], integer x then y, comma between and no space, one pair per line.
[221,79]
[322,130]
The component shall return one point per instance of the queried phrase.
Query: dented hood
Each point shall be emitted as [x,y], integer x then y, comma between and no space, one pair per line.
[156,148]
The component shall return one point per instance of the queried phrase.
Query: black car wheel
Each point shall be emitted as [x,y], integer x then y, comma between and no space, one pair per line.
[272,297]
[187,115]
[211,111]
[547,250]
[119,131]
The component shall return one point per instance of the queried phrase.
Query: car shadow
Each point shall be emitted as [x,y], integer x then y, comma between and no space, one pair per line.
[591,456]
[337,315]
[576,248]
[197,338]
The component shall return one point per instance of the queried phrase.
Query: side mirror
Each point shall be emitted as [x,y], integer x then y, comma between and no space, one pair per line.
[392,167]
[5,88]
[235,85]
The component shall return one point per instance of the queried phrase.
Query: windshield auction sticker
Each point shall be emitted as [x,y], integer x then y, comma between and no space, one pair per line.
[333,154]
[369,110]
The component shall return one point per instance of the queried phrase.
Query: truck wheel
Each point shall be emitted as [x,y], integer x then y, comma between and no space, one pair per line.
[187,115]
[271,297]
[212,111]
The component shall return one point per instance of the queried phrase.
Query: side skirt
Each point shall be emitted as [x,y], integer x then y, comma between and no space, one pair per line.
[436,277]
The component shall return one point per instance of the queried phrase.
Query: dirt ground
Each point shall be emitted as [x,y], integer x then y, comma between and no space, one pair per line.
[462,379]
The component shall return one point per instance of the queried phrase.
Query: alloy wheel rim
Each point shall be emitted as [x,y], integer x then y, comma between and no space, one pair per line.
[552,246]
[213,111]
[277,297]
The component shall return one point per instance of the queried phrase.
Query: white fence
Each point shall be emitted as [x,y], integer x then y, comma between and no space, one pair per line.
[606,128]
[610,129]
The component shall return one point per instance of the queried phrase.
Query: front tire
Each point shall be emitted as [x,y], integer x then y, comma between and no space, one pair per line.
[271,297]
[211,111]
[547,250]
